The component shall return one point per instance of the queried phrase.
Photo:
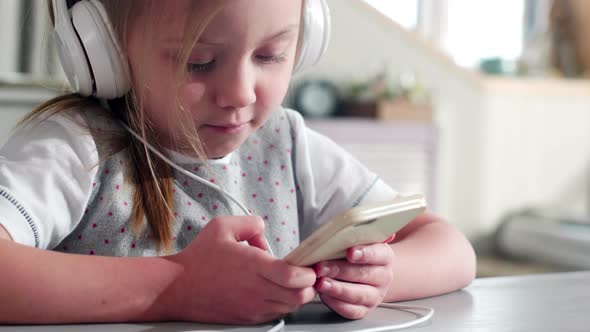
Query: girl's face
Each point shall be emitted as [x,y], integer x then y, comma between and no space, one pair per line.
[238,72]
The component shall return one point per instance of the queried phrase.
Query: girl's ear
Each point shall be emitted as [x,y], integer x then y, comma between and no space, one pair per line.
[316,30]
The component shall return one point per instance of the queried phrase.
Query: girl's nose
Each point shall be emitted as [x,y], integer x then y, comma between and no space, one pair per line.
[237,89]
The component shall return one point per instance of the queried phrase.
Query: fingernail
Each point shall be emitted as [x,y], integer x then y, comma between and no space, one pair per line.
[357,254]
[327,285]
[324,271]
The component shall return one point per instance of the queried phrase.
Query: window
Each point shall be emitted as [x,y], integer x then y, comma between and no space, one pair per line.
[484,29]
[9,35]
[24,35]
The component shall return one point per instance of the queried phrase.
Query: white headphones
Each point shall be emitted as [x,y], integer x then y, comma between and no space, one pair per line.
[95,64]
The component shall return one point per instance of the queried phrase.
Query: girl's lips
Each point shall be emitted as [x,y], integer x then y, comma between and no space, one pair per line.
[228,128]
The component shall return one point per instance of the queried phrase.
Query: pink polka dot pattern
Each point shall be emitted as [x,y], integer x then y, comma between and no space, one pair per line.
[260,174]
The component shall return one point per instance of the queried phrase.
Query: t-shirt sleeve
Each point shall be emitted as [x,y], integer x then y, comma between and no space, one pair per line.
[329,179]
[47,169]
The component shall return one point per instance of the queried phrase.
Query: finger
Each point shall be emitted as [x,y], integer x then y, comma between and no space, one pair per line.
[374,254]
[374,275]
[239,229]
[344,309]
[286,301]
[289,276]
[357,294]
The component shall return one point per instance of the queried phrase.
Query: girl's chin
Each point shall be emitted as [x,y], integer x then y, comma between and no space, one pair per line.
[218,152]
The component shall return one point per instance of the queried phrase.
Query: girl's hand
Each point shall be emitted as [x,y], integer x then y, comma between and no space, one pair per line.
[354,286]
[225,281]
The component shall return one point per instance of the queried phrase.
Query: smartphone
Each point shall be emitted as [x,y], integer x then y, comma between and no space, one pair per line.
[368,224]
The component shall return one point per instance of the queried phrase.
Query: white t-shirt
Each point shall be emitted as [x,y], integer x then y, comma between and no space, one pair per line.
[47,171]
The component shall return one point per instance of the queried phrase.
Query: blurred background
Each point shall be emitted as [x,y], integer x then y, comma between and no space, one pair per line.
[482,105]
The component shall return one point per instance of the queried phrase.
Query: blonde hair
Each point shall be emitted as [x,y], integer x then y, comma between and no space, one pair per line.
[152,178]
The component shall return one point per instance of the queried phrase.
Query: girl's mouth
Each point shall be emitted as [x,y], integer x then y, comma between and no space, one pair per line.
[229,128]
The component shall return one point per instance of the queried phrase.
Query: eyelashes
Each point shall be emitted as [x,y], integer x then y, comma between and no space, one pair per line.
[272,59]
[200,67]
[209,66]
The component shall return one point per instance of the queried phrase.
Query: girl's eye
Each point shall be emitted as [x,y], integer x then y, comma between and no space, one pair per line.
[209,66]
[269,59]
[200,67]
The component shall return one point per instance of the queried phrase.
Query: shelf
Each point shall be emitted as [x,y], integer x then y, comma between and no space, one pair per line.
[540,87]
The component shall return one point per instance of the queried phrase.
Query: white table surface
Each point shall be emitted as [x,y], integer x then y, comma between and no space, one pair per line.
[551,302]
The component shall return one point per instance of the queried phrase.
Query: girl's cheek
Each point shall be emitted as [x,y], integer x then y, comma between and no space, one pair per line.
[274,91]
[193,93]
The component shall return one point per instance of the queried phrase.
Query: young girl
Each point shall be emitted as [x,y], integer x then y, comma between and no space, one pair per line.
[95,228]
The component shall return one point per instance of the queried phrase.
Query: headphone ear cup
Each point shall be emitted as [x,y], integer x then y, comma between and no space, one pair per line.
[316,33]
[120,64]
[107,63]
[70,51]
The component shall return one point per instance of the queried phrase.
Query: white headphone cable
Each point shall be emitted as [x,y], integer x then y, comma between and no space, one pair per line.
[281,324]
[184,171]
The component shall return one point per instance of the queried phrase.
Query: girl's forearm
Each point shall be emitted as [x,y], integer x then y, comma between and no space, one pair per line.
[432,259]
[45,287]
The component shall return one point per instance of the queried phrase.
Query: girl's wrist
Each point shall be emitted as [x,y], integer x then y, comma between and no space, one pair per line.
[168,304]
